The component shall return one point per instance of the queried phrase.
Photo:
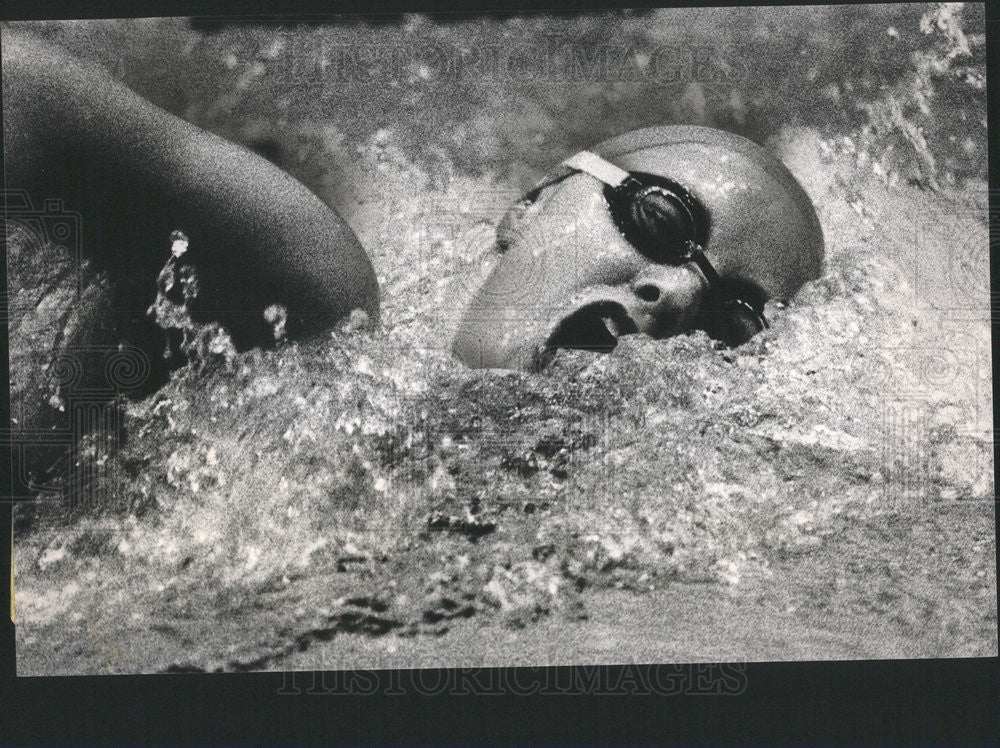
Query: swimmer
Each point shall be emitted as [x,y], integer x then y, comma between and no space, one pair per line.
[661,231]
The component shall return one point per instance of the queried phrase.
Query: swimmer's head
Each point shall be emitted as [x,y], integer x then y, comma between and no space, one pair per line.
[659,231]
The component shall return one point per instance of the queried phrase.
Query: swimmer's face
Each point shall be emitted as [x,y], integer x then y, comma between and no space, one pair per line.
[568,277]
[609,246]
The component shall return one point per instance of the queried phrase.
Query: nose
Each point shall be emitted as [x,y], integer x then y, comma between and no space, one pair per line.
[666,299]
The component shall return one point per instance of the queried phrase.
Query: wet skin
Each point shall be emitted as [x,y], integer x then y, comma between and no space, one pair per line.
[550,271]
[569,277]
[135,173]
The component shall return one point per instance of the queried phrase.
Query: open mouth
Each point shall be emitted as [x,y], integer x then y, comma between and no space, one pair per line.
[594,327]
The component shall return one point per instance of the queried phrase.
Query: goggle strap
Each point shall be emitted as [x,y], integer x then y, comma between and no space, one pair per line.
[597,167]
[697,256]
[613,176]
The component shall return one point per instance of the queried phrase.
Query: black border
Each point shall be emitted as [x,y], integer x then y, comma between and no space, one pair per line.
[924,702]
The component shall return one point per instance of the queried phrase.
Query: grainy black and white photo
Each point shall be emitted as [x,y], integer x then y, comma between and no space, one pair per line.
[405,341]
